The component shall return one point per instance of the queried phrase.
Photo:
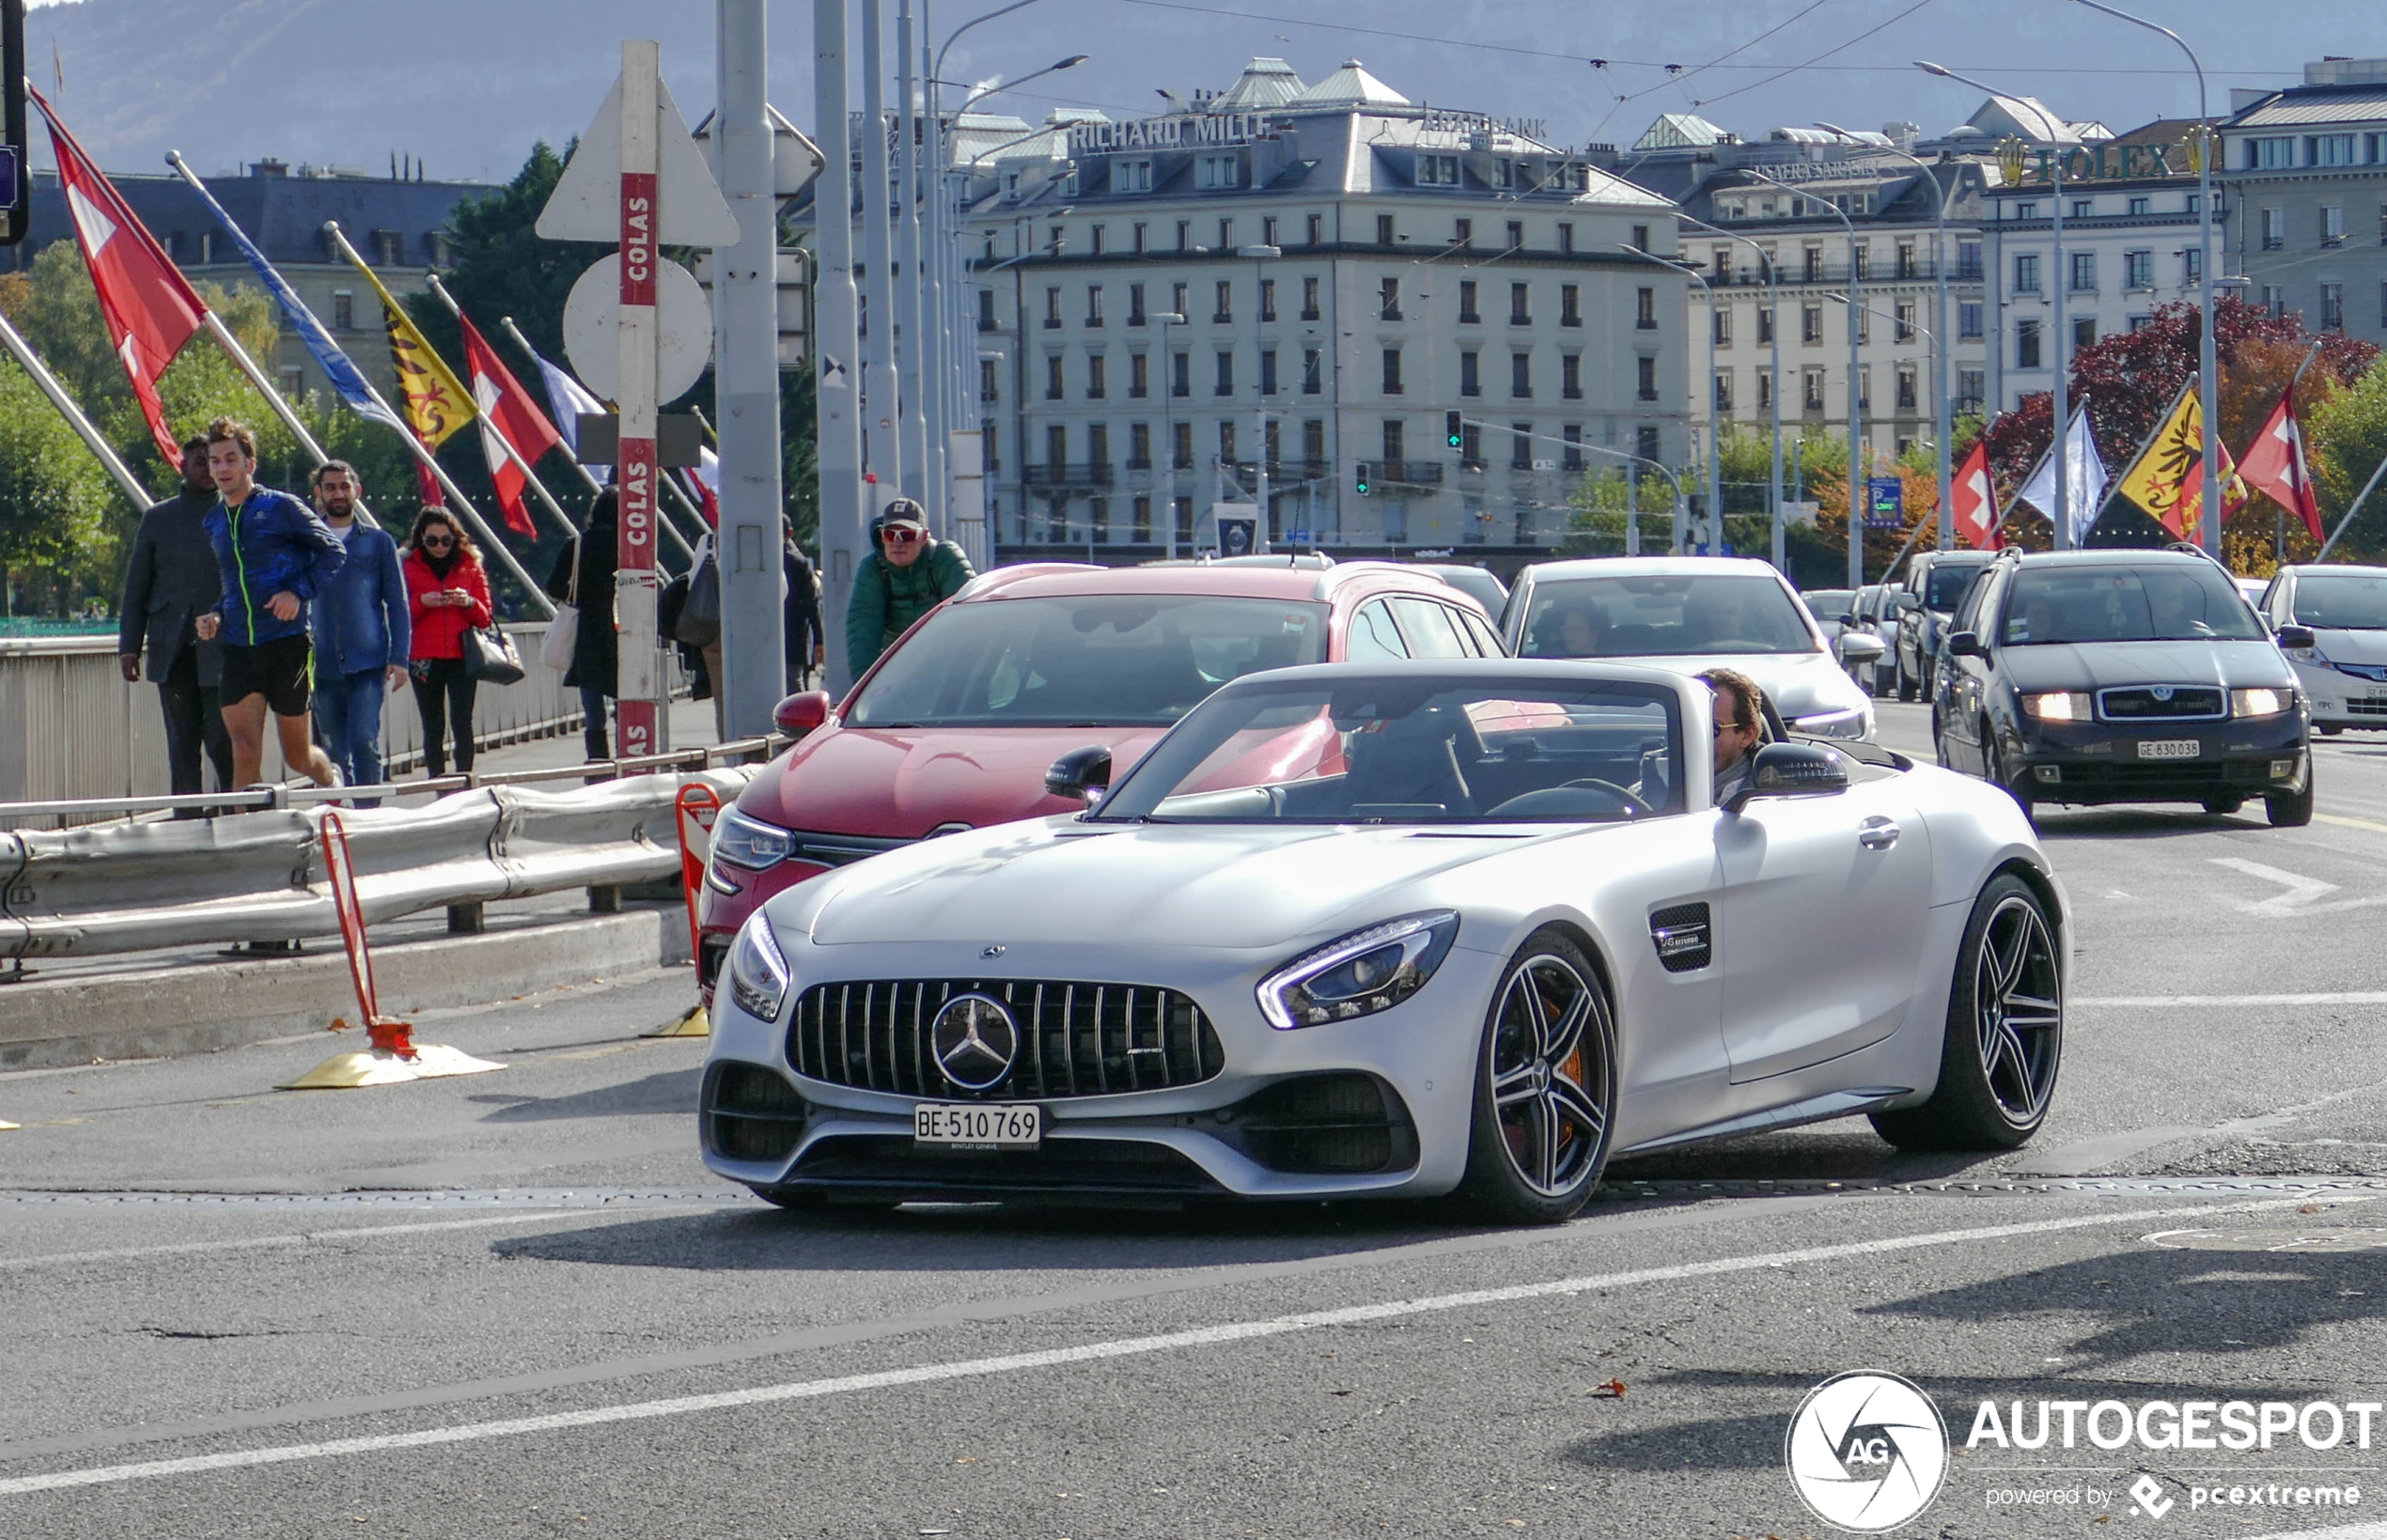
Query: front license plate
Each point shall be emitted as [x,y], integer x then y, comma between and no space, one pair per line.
[2169,748]
[965,1126]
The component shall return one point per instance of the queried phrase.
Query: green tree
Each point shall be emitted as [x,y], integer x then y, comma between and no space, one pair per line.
[2348,438]
[60,511]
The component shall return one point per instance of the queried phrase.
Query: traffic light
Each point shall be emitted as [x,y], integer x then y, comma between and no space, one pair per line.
[1358,482]
[1451,429]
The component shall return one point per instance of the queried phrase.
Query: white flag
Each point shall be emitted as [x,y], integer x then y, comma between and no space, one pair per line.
[2085,477]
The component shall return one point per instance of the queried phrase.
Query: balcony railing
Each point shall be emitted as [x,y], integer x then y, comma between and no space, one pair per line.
[1068,473]
[1410,473]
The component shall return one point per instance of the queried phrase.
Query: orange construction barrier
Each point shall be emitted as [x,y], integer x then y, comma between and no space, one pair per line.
[697,806]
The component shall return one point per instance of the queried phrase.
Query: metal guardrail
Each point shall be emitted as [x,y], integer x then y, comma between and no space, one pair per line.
[133,886]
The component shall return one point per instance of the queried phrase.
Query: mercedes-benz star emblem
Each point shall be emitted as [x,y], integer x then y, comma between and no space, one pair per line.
[975,1038]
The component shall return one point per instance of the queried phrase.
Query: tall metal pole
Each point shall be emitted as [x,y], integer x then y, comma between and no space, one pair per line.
[1856,412]
[843,540]
[936,334]
[1774,368]
[914,382]
[2063,401]
[638,700]
[1168,430]
[882,441]
[747,545]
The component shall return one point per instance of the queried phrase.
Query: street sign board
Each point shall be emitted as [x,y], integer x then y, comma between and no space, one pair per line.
[592,329]
[1885,502]
[587,202]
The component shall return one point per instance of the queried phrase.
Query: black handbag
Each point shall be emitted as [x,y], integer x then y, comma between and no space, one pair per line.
[491,656]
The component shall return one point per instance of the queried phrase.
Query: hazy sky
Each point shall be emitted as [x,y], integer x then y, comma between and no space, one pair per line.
[468,83]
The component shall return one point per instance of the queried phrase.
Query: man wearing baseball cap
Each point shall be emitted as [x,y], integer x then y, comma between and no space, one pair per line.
[909,575]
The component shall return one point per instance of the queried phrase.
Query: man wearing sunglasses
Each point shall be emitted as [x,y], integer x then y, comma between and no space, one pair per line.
[1739,724]
[909,575]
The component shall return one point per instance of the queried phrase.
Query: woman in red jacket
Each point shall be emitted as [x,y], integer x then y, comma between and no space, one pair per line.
[447,590]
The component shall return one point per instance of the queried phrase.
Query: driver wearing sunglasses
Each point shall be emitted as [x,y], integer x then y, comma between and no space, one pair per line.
[910,574]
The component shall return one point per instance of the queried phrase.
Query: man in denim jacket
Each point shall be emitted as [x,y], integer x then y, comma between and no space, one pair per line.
[361,630]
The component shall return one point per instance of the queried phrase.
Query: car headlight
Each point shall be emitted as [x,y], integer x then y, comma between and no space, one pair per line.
[2261,703]
[758,971]
[1857,723]
[1366,972]
[2058,706]
[748,842]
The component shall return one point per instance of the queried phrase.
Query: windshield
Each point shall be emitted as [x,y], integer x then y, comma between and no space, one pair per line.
[2104,603]
[1828,604]
[1104,661]
[1663,615]
[1944,584]
[2347,603]
[1412,750]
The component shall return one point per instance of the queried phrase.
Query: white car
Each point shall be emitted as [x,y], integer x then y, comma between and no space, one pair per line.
[1692,613]
[1399,931]
[2342,664]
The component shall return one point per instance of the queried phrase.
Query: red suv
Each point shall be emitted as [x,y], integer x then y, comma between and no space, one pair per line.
[954,726]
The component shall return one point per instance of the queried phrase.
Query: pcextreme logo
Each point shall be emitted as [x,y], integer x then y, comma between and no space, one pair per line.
[1866,1452]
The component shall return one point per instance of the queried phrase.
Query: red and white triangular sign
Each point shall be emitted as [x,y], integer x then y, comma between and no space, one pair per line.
[586,203]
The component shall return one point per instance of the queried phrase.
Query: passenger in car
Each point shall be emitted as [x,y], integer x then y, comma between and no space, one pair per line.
[1739,727]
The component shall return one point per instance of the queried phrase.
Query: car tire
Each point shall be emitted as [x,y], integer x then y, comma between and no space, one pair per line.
[2328,730]
[2002,776]
[1545,1096]
[2224,806]
[2004,1041]
[1907,687]
[2291,809]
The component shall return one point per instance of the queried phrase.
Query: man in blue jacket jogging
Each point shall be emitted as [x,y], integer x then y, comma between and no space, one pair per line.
[361,628]
[274,555]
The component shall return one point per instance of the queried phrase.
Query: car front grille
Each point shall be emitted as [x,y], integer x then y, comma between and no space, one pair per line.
[2360,707]
[2155,702]
[1076,1039]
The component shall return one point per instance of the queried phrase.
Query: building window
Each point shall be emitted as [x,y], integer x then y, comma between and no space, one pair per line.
[1268,230]
[1313,372]
[1135,304]
[1647,368]
[1645,441]
[2138,270]
[1640,237]
[390,247]
[1395,443]
[1967,318]
[2026,273]
[1573,434]
[1143,237]
[994,457]
[1470,378]
[1566,237]
[1902,322]
[1968,261]
[985,310]
[344,311]
[1131,176]
[1388,299]
[2083,332]
[1814,269]
[1098,516]
[1181,374]
[2083,273]
[1225,309]
[1811,324]
[1863,257]
[1570,376]
[2273,154]
[1438,171]
[1384,229]
[1053,389]
[987,379]
[1865,325]
[2275,301]
[2139,323]
[1183,513]
[1864,388]
[1906,258]
[2083,208]
[1095,235]
[1765,390]
[1139,376]
[1178,306]
[1097,376]
[1225,236]
[1516,235]
[2274,228]
[1142,506]
[1314,441]
[1723,391]
[2193,265]
[1471,447]
[1185,234]
[1225,382]
[1317,229]
[1467,316]
[1094,305]
[1521,447]
[1764,325]
[1905,390]
[1227,443]
[2332,149]
[1059,241]
[2332,307]
[2333,225]
[1392,371]
[1057,449]
[1268,371]
[1520,313]
[1811,388]
[1521,376]
[2140,206]
[1970,387]
[1181,446]
[1216,171]
[1462,234]
[1720,324]
[1053,307]
[1645,314]
[2025,211]
[1309,299]
[1268,299]
[1098,447]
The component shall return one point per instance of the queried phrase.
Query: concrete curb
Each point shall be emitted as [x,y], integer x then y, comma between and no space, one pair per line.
[47,1024]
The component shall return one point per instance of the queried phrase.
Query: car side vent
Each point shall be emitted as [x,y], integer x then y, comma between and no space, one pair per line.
[1685,937]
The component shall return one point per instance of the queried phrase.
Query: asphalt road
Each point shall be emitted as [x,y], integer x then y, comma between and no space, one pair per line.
[515,1305]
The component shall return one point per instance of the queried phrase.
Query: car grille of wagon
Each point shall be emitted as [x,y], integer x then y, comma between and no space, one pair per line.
[1075,1038]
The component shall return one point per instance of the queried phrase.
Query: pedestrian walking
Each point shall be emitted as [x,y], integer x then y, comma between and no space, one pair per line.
[447,595]
[363,628]
[596,657]
[906,577]
[273,555]
[169,583]
[807,641]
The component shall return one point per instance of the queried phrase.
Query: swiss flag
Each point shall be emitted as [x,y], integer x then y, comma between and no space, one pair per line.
[2274,464]
[506,409]
[1975,501]
[705,476]
[150,308]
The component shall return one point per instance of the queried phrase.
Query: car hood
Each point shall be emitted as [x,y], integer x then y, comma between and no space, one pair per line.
[1800,684]
[2096,665]
[2352,646]
[1061,881]
[900,784]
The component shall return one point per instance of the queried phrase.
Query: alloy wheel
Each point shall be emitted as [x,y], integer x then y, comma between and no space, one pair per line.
[2018,1007]
[1550,1074]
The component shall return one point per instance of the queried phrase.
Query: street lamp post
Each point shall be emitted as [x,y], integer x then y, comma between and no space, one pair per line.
[1940,425]
[2208,369]
[1715,456]
[1773,336]
[1168,428]
[2057,282]
[1856,407]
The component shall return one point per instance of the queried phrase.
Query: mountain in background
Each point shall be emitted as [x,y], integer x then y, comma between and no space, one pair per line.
[465,87]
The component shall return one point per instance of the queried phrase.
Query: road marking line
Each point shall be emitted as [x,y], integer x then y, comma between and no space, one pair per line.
[2301,890]
[2350,823]
[1209,1336]
[2350,997]
[256,1242]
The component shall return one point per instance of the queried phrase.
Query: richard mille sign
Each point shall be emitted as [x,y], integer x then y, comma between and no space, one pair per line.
[1177,130]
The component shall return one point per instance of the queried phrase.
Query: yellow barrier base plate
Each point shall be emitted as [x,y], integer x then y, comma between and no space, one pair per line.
[694,1024]
[354,1071]
[5,1124]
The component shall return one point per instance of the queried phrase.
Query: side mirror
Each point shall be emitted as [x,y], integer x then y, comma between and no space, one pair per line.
[1966,645]
[1848,619]
[799,714]
[2296,636]
[1791,770]
[1859,646]
[1082,774]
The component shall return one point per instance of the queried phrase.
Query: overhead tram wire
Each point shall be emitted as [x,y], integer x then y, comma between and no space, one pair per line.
[1871,31]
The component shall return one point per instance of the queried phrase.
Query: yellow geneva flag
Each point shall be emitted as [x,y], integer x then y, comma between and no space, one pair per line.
[437,403]
[2169,472]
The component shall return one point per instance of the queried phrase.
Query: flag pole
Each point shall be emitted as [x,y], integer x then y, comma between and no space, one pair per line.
[508,445]
[2356,506]
[515,333]
[23,352]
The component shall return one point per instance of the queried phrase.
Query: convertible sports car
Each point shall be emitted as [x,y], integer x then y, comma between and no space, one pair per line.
[1400,929]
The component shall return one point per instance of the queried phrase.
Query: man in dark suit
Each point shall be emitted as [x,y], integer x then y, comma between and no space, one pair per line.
[173,579]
